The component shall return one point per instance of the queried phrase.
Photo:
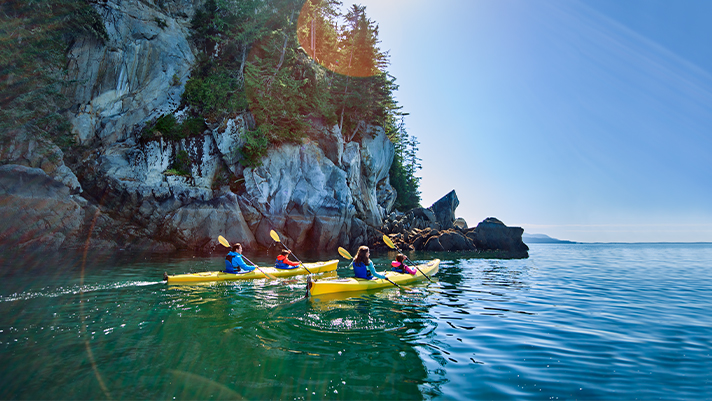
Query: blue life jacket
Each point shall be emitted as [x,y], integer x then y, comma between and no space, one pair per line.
[229,267]
[361,271]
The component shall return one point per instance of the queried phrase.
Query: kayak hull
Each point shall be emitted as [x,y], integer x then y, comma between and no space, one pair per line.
[321,287]
[318,267]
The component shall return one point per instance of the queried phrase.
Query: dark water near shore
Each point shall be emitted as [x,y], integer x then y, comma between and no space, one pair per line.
[574,321]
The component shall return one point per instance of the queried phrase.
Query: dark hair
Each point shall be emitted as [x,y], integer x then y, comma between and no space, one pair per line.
[235,246]
[284,252]
[400,258]
[361,255]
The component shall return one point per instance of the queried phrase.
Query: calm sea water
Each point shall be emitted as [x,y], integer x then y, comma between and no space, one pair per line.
[600,321]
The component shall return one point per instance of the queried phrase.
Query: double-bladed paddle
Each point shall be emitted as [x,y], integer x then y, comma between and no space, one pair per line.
[226,244]
[275,237]
[391,245]
[345,254]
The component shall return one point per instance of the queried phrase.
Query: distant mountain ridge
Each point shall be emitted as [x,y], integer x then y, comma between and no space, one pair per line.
[543,239]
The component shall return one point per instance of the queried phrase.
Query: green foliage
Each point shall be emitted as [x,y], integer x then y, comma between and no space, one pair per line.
[255,148]
[223,30]
[405,165]
[193,126]
[35,36]
[181,165]
[215,91]
[167,126]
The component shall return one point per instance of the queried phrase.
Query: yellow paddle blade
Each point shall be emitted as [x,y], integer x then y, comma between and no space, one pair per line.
[388,242]
[274,235]
[343,252]
[223,241]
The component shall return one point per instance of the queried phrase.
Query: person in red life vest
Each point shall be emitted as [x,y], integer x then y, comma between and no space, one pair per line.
[283,261]
[400,267]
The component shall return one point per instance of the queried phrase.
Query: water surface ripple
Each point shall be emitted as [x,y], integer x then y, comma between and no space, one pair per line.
[573,321]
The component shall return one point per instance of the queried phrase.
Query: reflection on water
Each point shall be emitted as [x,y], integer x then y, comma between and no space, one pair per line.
[569,322]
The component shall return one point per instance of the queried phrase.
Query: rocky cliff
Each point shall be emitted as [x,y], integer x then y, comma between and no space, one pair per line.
[116,190]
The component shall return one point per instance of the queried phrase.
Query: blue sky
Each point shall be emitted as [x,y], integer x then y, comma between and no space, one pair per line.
[583,120]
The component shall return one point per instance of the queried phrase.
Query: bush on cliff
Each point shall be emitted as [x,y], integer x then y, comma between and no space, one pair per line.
[167,126]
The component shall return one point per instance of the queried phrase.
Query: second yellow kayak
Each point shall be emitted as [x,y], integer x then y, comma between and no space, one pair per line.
[319,287]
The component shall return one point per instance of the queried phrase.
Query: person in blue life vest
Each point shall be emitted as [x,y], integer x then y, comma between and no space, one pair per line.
[400,267]
[234,263]
[363,266]
[283,261]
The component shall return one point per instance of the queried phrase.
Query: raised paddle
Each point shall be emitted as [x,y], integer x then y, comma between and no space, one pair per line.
[226,244]
[275,237]
[344,253]
[393,246]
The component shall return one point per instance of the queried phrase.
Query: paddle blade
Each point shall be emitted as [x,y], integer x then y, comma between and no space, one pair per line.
[344,253]
[388,242]
[274,235]
[223,241]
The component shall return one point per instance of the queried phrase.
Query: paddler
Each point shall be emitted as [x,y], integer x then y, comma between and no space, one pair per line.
[399,265]
[363,266]
[234,263]
[283,261]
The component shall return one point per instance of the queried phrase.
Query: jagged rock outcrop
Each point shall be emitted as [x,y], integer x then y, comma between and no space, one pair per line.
[367,165]
[444,210]
[492,234]
[422,229]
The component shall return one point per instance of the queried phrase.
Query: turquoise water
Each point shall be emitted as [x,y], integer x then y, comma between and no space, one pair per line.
[574,321]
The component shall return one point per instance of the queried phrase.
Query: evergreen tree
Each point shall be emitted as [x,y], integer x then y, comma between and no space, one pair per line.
[405,165]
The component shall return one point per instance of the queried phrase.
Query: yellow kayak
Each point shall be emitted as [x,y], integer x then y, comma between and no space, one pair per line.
[319,287]
[318,267]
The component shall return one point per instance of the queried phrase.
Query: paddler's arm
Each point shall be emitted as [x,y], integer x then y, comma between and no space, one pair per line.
[238,261]
[374,272]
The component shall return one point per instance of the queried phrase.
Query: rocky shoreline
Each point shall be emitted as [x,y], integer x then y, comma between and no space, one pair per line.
[116,188]
[436,229]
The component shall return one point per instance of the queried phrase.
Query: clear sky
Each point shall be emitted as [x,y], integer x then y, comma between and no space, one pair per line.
[583,120]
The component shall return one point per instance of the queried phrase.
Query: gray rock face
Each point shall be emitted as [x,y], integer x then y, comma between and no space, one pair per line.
[367,166]
[302,195]
[138,75]
[35,210]
[444,209]
[492,234]
[26,150]
[229,138]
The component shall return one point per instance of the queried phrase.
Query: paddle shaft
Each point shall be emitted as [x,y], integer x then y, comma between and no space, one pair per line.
[258,268]
[390,281]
